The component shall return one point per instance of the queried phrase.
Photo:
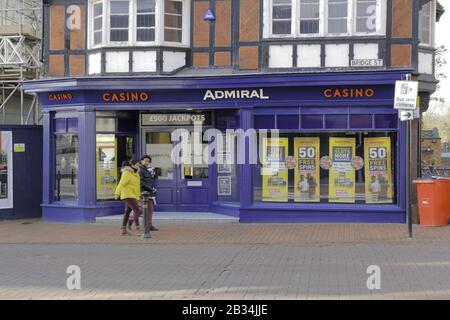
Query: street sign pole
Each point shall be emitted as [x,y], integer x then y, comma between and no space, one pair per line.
[408,173]
[405,101]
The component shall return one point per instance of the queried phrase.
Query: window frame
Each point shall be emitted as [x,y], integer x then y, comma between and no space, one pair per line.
[432,25]
[132,33]
[323,21]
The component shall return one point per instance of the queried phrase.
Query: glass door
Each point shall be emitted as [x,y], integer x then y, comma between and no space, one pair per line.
[158,146]
[181,187]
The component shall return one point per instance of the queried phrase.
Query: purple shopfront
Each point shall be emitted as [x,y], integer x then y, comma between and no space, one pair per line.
[341,121]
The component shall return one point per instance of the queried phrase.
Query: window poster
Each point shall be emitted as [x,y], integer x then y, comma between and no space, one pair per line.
[307,172]
[6,170]
[106,155]
[342,173]
[224,186]
[274,170]
[378,171]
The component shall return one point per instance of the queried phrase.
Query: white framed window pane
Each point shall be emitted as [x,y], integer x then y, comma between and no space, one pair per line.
[173,21]
[147,20]
[281,16]
[173,35]
[120,7]
[309,16]
[366,16]
[424,23]
[119,21]
[98,9]
[337,9]
[337,26]
[98,37]
[98,23]
[145,6]
[119,35]
[145,35]
[175,7]
[337,16]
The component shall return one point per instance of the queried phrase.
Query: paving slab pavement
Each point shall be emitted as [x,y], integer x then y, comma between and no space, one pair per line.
[224,261]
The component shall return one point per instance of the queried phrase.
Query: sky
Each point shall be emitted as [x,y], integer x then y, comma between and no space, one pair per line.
[443,38]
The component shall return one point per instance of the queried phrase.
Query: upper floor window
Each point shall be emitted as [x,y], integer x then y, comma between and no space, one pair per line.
[426,22]
[306,18]
[138,22]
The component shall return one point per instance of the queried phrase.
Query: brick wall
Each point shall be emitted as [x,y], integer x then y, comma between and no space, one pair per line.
[402,29]
[65,47]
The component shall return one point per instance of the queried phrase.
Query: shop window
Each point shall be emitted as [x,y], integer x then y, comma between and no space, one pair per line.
[287,121]
[327,168]
[312,121]
[361,121]
[334,121]
[264,122]
[66,167]
[386,121]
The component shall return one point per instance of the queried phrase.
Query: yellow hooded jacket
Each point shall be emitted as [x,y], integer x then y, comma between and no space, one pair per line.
[129,185]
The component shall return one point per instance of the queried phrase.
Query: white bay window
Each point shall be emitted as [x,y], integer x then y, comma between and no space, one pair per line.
[322,18]
[114,23]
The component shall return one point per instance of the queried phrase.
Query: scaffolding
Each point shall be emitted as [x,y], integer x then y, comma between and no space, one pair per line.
[20,57]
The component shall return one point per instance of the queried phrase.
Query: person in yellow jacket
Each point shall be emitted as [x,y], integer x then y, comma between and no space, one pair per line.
[129,190]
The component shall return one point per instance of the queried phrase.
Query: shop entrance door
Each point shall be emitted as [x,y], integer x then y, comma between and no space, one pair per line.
[181,187]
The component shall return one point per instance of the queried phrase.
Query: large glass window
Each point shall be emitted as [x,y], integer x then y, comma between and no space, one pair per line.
[325,18]
[333,167]
[135,22]
[66,167]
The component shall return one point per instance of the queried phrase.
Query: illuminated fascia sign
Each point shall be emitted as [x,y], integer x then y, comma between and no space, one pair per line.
[235,94]
[125,96]
[62,96]
[348,93]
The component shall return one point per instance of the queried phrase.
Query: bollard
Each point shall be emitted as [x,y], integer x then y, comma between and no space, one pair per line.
[145,197]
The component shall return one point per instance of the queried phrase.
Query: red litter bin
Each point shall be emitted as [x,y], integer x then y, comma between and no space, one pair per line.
[433,197]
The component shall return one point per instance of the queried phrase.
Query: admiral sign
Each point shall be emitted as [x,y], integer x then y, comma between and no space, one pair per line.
[235,94]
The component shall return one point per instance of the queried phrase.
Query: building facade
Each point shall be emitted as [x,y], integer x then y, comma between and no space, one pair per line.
[304,87]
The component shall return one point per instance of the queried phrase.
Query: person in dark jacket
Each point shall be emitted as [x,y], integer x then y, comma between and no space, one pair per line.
[148,183]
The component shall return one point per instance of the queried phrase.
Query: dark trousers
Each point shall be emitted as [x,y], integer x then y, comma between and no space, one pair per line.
[131,205]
